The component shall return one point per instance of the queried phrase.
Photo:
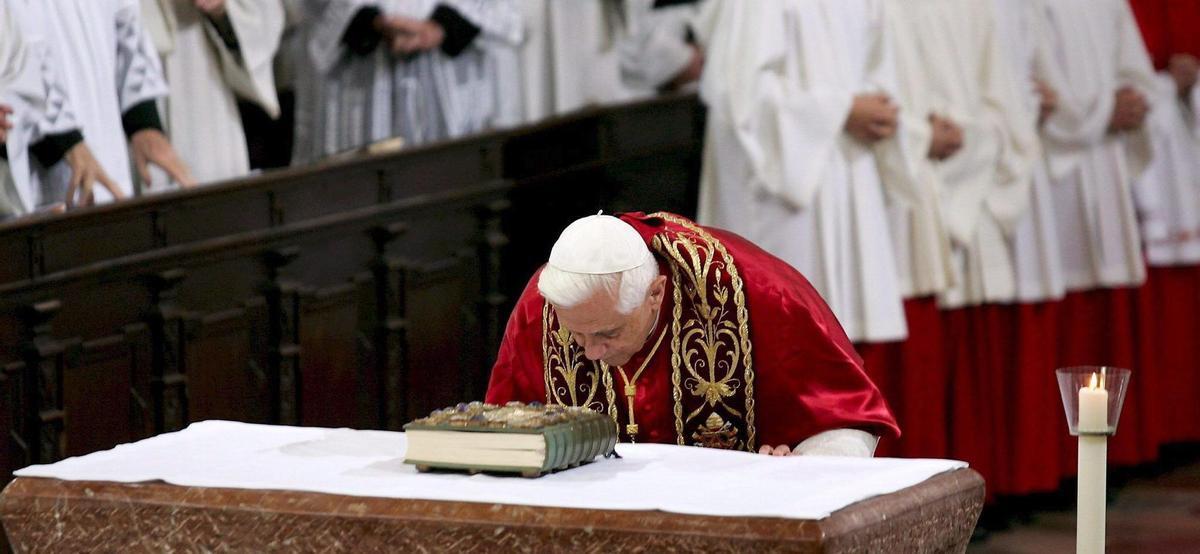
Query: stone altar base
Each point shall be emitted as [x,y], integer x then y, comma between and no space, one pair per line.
[49,515]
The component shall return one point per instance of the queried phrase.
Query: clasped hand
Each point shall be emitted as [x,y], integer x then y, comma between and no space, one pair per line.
[1129,110]
[405,35]
[873,117]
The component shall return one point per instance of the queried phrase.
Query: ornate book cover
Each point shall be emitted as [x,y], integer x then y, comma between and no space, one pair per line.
[530,439]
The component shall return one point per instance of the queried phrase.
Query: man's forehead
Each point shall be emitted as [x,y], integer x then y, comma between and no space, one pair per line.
[590,319]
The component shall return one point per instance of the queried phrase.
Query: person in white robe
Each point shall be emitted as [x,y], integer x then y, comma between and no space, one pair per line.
[570,57]
[45,130]
[658,51]
[111,79]
[1034,242]
[963,117]
[15,86]
[415,69]
[1168,192]
[798,93]
[214,52]
[1096,141]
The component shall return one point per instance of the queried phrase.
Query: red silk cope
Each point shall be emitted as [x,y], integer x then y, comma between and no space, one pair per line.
[806,376]
[1169,27]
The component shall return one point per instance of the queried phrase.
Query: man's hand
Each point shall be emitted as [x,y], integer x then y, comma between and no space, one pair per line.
[406,36]
[947,137]
[1129,111]
[150,146]
[211,8]
[782,450]
[1185,69]
[85,173]
[5,124]
[1048,100]
[691,73]
[873,117]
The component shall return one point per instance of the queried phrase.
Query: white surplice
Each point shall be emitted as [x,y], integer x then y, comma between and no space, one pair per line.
[1096,48]
[355,100]
[1034,242]
[950,62]
[18,86]
[106,64]
[206,77]
[654,48]
[569,58]
[779,168]
[1169,189]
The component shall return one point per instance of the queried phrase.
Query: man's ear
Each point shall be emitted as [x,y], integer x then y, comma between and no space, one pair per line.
[658,288]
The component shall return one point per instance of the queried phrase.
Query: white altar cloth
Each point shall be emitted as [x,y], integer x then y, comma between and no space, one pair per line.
[670,478]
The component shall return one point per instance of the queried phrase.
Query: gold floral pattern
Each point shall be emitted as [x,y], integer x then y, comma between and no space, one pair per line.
[711,356]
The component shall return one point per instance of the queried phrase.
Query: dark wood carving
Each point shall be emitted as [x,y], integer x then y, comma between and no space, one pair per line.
[40,416]
[360,292]
[168,363]
[389,327]
[283,337]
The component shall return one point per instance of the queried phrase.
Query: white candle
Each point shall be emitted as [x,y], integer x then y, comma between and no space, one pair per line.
[1093,407]
[1093,460]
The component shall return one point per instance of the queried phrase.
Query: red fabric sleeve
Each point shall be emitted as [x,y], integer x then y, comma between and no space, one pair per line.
[517,374]
[808,376]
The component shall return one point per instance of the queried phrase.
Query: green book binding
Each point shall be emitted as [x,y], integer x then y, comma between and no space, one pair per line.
[530,439]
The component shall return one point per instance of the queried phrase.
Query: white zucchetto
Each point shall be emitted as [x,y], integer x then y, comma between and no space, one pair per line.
[599,245]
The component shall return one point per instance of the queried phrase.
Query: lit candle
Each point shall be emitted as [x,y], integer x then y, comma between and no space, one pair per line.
[1093,460]
[1093,406]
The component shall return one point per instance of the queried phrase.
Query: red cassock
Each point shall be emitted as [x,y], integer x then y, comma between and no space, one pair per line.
[751,354]
[1169,27]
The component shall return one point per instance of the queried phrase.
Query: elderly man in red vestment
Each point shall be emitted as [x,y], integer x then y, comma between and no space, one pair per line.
[688,335]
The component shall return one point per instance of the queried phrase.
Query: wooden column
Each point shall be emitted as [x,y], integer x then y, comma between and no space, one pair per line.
[390,328]
[167,322]
[38,414]
[283,337]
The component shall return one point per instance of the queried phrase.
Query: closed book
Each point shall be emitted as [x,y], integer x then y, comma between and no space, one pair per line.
[530,439]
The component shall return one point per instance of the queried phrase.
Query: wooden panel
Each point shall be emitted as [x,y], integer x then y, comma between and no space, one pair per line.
[70,247]
[15,253]
[225,381]
[101,370]
[332,379]
[435,297]
[193,220]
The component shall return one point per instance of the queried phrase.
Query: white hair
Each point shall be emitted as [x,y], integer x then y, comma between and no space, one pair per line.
[630,288]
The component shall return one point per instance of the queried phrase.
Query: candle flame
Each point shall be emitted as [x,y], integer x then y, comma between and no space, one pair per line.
[1093,384]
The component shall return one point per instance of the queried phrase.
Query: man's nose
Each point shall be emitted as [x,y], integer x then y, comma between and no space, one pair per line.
[592,349]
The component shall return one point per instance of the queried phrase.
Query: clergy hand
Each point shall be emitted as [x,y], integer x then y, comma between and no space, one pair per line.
[5,124]
[692,72]
[947,137]
[1185,69]
[1129,111]
[85,173]
[410,36]
[782,450]
[873,117]
[211,8]
[150,146]
[1048,100]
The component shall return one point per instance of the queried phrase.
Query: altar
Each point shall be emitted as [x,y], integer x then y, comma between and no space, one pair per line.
[235,487]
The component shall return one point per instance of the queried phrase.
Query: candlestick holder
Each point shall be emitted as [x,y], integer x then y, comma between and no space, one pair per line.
[1092,397]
